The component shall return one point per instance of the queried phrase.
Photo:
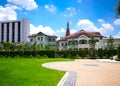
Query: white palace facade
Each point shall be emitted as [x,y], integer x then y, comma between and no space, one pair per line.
[16,31]
[82,39]
[79,40]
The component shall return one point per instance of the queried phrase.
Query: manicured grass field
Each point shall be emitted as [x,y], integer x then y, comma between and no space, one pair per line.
[28,72]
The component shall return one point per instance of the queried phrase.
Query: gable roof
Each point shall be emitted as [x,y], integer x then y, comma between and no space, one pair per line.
[81,32]
[41,34]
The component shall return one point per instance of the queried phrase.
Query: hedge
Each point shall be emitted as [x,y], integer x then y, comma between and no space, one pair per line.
[118,52]
[63,54]
[50,54]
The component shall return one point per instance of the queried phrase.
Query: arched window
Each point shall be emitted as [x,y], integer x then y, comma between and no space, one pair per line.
[83,42]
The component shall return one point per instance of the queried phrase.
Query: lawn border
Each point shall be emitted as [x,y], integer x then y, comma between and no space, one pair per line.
[69,78]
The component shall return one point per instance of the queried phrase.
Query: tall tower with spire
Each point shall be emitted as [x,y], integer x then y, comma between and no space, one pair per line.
[67,30]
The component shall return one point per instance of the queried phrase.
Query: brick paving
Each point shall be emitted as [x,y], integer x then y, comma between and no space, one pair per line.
[91,72]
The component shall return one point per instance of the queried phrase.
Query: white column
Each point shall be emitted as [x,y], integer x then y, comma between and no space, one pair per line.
[5,32]
[0,32]
[10,32]
[16,32]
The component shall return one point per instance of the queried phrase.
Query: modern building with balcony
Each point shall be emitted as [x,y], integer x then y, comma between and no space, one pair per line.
[43,39]
[79,40]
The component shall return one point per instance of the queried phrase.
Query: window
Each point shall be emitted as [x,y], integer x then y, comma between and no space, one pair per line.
[7,32]
[41,38]
[38,38]
[75,42]
[19,31]
[2,33]
[31,40]
[62,44]
[83,42]
[13,32]
[66,44]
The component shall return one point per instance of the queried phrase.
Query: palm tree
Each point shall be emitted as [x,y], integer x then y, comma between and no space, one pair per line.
[117,8]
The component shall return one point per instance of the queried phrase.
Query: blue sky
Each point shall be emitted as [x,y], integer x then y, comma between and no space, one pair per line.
[51,16]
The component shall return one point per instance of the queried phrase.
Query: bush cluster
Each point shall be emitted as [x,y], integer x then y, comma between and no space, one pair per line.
[118,51]
[49,54]
[82,54]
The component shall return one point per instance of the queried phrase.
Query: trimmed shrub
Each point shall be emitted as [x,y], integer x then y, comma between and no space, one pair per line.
[30,54]
[117,59]
[118,52]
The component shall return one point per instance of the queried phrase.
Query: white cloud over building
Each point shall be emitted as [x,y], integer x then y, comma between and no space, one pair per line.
[50,8]
[8,12]
[88,25]
[27,4]
[40,28]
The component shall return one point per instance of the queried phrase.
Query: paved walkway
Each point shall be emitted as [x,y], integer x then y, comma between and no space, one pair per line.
[91,72]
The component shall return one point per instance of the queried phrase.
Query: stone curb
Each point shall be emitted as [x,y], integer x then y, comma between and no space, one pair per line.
[107,60]
[69,79]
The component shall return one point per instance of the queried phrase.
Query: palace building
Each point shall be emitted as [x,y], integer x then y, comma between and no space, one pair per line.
[79,40]
[16,31]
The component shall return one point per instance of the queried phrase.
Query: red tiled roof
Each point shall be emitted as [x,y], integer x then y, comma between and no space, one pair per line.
[77,34]
[52,36]
[41,34]
[33,35]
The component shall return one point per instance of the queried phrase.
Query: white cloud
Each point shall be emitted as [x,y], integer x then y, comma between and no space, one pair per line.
[70,11]
[101,21]
[117,35]
[8,12]
[27,4]
[106,29]
[79,1]
[62,30]
[50,8]
[87,25]
[73,31]
[117,22]
[40,28]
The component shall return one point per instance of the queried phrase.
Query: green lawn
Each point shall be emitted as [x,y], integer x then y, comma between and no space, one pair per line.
[28,72]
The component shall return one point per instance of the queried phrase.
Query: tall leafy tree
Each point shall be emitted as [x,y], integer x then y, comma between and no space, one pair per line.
[117,8]
[110,42]
[92,45]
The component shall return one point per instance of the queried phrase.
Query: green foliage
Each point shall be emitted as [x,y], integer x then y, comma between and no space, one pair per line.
[28,72]
[117,10]
[118,51]
[83,53]
[92,45]
[49,54]
[117,59]
[100,53]
[110,42]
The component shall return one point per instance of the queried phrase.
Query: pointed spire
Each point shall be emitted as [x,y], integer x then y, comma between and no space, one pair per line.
[68,24]
[67,31]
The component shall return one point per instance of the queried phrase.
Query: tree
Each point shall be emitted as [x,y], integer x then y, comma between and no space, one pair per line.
[8,46]
[92,45]
[20,46]
[118,51]
[110,42]
[27,46]
[117,8]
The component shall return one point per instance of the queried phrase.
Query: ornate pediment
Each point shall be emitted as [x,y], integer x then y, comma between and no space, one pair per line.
[83,37]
